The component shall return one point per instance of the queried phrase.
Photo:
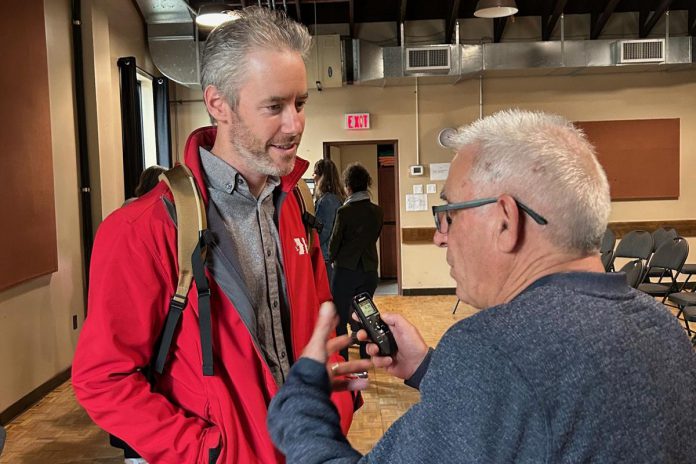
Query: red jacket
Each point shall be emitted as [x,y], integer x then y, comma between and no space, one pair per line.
[133,277]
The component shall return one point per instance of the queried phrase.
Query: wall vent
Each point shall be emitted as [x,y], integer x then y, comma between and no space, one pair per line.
[642,51]
[428,59]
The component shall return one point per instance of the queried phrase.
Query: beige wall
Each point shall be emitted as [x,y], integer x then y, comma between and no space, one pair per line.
[36,336]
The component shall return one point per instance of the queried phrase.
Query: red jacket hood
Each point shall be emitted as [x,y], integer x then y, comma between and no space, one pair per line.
[205,137]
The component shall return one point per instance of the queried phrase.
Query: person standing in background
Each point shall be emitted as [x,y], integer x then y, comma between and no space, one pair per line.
[149,179]
[328,195]
[353,247]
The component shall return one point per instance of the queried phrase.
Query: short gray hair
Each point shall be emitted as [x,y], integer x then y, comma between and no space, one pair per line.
[224,59]
[548,164]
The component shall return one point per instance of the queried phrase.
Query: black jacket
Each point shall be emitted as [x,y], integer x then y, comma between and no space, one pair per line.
[354,238]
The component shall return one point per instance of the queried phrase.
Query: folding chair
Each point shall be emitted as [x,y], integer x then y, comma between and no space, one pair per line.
[660,236]
[606,249]
[637,244]
[670,257]
[690,316]
[634,272]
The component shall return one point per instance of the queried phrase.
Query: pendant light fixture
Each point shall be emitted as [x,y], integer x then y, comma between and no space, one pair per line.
[212,15]
[495,8]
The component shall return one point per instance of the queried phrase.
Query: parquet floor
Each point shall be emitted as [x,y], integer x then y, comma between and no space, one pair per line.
[57,431]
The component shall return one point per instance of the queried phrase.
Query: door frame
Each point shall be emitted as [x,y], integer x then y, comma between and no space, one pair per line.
[326,148]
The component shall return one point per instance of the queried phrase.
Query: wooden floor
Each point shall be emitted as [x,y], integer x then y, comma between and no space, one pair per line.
[57,431]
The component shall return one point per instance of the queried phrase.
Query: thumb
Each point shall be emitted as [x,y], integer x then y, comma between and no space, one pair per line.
[326,321]
[316,348]
[390,319]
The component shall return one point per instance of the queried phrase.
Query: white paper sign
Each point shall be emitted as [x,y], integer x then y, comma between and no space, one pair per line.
[431,188]
[439,171]
[418,188]
[416,202]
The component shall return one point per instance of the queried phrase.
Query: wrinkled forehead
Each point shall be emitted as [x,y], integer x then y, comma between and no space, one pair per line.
[457,185]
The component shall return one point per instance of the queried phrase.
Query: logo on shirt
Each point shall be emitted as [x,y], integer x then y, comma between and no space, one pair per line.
[301,246]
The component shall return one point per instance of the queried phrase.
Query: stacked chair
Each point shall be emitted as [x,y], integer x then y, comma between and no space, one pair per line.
[637,244]
[666,263]
[659,236]
[657,261]
[634,272]
[606,249]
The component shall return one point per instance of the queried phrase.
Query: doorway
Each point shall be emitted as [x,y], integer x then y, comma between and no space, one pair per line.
[380,158]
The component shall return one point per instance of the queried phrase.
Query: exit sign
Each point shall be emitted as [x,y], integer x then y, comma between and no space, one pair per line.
[357,121]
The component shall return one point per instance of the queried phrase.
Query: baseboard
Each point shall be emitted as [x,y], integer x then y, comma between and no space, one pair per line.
[428,291]
[34,396]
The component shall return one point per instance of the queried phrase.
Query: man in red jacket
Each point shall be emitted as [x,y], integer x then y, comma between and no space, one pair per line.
[266,281]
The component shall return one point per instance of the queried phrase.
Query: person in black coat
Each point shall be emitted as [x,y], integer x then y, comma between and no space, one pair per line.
[353,246]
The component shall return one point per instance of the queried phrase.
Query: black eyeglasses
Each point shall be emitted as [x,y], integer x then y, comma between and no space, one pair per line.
[442,211]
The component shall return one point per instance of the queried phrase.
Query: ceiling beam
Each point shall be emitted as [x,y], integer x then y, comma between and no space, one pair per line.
[452,21]
[646,27]
[548,22]
[692,21]
[298,13]
[602,19]
[402,11]
[498,28]
[351,18]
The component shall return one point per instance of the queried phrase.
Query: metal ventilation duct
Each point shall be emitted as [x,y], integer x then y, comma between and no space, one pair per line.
[171,39]
[386,66]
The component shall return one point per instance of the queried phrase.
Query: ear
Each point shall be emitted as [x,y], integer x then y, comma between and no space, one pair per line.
[217,104]
[509,228]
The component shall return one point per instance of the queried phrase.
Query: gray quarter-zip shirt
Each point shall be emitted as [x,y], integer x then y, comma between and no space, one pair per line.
[253,248]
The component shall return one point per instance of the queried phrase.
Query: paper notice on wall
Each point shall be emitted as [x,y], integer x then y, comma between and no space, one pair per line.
[439,171]
[418,188]
[416,202]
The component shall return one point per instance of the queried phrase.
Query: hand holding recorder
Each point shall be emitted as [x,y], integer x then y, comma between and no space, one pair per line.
[412,349]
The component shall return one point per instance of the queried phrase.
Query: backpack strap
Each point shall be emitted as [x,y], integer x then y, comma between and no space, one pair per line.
[191,249]
[304,197]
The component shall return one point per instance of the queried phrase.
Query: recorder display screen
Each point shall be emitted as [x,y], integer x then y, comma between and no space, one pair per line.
[367,308]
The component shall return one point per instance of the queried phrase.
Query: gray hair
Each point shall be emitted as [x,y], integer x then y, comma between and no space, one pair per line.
[546,163]
[225,57]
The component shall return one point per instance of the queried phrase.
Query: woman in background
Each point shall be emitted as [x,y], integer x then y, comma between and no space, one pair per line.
[353,247]
[328,197]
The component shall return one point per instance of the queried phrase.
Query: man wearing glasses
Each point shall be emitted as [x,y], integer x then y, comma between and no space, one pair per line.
[564,363]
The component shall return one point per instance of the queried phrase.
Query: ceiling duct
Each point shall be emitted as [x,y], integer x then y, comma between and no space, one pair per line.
[171,39]
[388,66]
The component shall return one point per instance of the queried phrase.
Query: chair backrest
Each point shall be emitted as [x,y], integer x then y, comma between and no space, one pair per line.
[607,260]
[671,255]
[634,272]
[608,242]
[661,236]
[635,244]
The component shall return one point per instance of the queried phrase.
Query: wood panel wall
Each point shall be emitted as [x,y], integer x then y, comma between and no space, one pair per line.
[28,233]
[640,157]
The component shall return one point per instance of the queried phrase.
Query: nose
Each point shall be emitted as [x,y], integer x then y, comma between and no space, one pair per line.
[440,239]
[293,121]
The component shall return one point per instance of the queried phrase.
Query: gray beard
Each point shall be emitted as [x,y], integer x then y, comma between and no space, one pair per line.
[262,162]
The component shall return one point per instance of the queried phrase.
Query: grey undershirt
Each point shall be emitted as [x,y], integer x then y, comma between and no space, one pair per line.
[253,234]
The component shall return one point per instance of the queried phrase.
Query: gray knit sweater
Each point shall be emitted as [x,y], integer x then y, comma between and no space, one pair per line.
[577,368]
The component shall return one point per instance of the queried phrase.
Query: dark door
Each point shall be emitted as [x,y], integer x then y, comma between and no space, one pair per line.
[387,240]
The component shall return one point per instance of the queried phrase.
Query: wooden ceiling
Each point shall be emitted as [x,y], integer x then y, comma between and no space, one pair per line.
[351,12]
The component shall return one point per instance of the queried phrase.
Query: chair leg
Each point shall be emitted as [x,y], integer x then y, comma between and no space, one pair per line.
[454,310]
